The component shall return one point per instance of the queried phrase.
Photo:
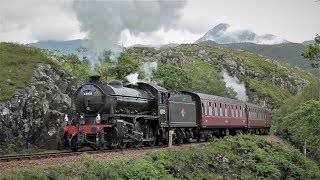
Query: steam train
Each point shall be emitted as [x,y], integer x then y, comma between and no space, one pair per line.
[116,116]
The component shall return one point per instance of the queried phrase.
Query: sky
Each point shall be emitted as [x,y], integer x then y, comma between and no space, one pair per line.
[144,22]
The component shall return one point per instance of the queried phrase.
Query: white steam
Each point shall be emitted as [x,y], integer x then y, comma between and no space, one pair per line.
[147,68]
[133,78]
[238,86]
[103,21]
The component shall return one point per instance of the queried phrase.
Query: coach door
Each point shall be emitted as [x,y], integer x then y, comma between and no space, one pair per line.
[163,109]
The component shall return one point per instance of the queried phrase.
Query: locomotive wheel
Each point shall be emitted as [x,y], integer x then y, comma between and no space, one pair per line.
[61,143]
[74,145]
[122,145]
[137,144]
[75,148]
[150,134]
[137,128]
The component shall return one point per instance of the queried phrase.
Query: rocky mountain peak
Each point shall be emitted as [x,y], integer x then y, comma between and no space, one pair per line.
[222,34]
[219,29]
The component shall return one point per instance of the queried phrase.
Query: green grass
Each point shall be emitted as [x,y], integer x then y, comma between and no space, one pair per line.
[298,119]
[244,156]
[263,86]
[17,65]
[203,76]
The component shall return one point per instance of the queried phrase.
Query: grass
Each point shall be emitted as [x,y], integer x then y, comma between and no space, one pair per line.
[244,156]
[17,65]
[263,86]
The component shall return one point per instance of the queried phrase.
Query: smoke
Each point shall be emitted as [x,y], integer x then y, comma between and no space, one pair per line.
[103,21]
[133,78]
[238,86]
[147,68]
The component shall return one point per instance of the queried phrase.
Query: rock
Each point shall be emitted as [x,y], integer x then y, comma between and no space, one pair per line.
[33,114]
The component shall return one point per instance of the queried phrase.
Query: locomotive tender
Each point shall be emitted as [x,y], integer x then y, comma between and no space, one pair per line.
[112,115]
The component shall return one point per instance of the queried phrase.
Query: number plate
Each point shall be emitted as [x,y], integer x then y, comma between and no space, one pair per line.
[87,93]
[162,111]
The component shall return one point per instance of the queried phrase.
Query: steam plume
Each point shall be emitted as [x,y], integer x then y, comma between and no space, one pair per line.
[238,86]
[103,21]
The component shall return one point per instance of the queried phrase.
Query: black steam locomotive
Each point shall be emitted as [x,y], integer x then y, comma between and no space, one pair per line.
[112,115]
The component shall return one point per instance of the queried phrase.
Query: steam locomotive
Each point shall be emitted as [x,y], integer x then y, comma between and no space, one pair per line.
[112,115]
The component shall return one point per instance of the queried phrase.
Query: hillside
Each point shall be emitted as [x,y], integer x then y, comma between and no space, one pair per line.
[241,157]
[17,65]
[286,52]
[197,68]
[35,92]
[298,120]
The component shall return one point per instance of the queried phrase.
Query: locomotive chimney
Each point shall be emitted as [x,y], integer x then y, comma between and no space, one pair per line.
[95,79]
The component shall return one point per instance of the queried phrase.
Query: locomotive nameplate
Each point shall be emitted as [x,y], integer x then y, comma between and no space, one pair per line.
[162,111]
[88,93]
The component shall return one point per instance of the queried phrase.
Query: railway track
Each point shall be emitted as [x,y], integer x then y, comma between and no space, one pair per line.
[59,154]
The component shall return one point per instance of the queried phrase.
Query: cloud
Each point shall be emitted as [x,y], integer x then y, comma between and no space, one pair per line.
[158,37]
[29,21]
[104,21]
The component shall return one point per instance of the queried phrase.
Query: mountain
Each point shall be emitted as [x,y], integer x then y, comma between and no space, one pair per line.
[64,47]
[222,34]
[285,52]
[307,42]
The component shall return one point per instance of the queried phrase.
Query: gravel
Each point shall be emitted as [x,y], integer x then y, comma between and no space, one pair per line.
[128,153]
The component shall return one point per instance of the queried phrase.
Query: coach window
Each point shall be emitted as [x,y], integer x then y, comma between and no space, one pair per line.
[210,109]
[255,114]
[260,114]
[232,111]
[205,109]
[215,109]
[221,111]
[202,108]
[240,111]
[226,110]
[237,114]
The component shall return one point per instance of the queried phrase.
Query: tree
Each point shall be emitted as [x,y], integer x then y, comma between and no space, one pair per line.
[126,65]
[106,56]
[80,68]
[312,53]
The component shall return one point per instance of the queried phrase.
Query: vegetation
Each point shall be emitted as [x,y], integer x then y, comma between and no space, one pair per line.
[193,77]
[245,156]
[117,70]
[312,53]
[285,52]
[17,65]
[185,69]
[297,120]
[79,67]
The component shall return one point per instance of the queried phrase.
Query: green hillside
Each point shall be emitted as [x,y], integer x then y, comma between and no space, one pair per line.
[298,120]
[198,69]
[286,52]
[241,157]
[17,65]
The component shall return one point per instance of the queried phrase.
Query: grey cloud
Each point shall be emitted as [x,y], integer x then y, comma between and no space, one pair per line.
[37,20]
[104,21]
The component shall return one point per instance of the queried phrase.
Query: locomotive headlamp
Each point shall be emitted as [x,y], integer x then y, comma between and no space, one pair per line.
[98,119]
[66,119]
[82,121]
